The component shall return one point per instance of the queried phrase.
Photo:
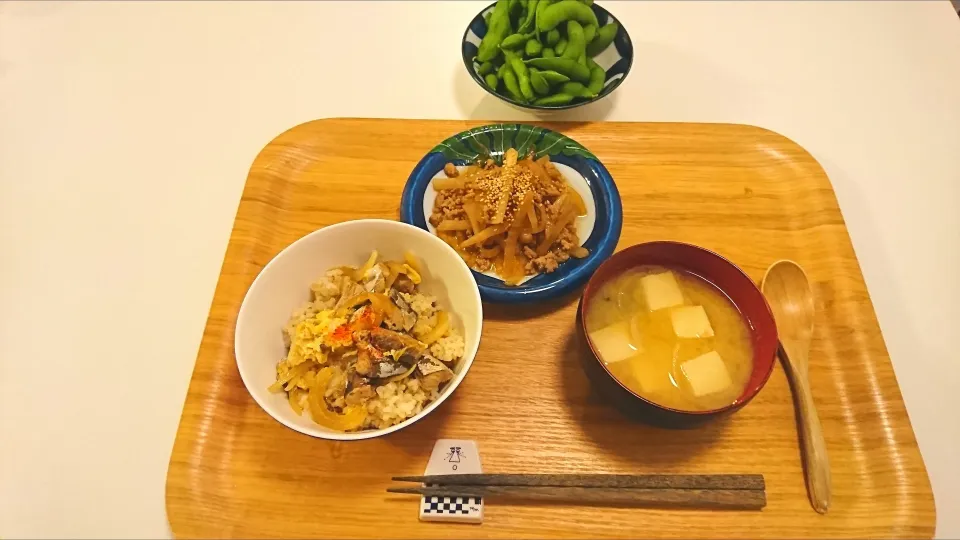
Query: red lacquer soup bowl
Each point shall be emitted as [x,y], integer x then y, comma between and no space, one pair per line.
[720,272]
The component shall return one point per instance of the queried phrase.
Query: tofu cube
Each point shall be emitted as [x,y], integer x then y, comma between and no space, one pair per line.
[661,291]
[690,322]
[614,342]
[706,374]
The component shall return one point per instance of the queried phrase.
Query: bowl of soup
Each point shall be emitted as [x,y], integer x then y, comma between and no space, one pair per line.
[675,334]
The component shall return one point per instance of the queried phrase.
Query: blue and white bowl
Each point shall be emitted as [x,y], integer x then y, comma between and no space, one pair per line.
[598,231]
[616,59]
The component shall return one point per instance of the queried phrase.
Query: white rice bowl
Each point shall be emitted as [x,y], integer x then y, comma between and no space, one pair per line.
[283,286]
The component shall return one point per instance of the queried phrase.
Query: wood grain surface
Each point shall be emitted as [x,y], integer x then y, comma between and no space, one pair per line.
[747,193]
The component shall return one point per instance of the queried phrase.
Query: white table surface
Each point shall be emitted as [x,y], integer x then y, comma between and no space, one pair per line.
[126,131]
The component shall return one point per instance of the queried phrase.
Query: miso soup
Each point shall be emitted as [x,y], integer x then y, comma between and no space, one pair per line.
[671,337]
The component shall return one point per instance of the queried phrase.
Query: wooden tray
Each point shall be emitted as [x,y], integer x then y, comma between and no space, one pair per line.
[745,192]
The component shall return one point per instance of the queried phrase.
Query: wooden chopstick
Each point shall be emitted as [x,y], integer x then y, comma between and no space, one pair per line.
[743,499]
[622,481]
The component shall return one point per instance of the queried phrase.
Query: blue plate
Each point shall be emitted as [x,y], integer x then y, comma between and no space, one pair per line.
[599,231]
[616,60]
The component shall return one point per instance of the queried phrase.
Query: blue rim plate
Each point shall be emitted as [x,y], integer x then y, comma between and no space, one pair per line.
[599,232]
[616,60]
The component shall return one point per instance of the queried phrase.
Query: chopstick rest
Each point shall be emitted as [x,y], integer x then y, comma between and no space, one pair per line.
[452,456]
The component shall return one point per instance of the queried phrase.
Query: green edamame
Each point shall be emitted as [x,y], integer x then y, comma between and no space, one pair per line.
[597,77]
[560,47]
[605,35]
[565,10]
[529,19]
[514,41]
[552,77]
[576,89]
[566,66]
[575,43]
[539,84]
[511,84]
[492,81]
[589,32]
[533,48]
[498,29]
[523,76]
[536,17]
[554,100]
[553,37]
[547,52]
[486,67]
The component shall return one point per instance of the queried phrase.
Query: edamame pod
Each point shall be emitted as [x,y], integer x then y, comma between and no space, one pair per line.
[501,70]
[552,77]
[536,17]
[604,38]
[561,46]
[486,67]
[511,84]
[523,76]
[566,66]
[565,10]
[553,37]
[514,41]
[547,52]
[575,43]
[530,18]
[589,32]
[492,81]
[597,77]
[554,100]
[498,29]
[576,89]
[539,84]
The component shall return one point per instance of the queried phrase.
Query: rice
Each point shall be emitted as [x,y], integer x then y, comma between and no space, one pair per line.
[448,349]
[397,401]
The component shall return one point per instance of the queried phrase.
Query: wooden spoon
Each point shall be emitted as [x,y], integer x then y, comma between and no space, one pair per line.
[787,290]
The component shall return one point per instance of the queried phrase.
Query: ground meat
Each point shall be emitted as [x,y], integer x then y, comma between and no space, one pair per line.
[448,206]
[482,264]
[451,170]
[546,264]
[530,253]
[568,238]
